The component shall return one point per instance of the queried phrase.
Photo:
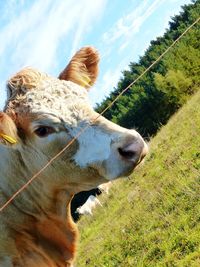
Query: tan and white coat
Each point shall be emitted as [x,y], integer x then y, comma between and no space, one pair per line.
[44,114]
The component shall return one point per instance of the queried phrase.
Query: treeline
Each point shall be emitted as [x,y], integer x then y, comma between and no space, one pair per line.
[158,94]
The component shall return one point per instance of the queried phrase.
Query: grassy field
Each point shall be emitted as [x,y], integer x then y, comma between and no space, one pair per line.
[154,218]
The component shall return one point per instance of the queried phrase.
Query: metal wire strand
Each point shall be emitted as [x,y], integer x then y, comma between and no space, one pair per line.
[85,128]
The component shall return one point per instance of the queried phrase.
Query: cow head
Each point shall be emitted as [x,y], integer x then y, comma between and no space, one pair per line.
[49,112]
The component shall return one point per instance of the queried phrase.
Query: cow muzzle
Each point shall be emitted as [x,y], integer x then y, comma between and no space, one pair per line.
[127,151]
[134,152]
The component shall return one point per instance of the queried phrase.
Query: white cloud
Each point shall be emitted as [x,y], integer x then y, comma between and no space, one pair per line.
[130,24]
[43,33]
[37,32]
[115,40]
[95,11]
[33,36]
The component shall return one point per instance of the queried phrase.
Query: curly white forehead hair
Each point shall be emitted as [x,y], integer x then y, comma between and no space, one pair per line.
[31,90]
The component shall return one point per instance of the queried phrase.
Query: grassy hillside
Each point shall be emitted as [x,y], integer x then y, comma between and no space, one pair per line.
[154,218]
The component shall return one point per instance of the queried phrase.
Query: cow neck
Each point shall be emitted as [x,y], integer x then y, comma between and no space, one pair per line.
[59,229]
[51,236]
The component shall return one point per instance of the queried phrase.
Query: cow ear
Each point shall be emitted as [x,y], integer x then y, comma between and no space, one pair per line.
[8,130]
[23,81]
[83,67]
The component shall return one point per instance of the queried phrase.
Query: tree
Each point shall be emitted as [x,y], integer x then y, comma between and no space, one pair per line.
[150,102]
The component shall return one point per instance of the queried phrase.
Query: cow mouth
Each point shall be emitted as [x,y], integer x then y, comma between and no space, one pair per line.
[132,167]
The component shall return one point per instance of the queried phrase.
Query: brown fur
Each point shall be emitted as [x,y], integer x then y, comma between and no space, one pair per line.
[50,241]
[26,79]
[7,127]
[83,68]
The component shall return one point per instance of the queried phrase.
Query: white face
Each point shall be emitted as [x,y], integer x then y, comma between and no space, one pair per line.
[103,149]
[100,146]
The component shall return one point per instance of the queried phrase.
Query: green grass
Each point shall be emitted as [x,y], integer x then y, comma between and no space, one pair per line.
[154,218]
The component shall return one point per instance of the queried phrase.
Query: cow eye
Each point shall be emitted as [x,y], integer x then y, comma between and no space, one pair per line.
[44,131]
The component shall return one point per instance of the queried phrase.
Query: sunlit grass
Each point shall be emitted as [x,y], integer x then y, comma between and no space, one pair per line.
[154,218]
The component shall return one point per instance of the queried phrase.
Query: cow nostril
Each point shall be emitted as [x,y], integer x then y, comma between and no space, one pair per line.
[128,154]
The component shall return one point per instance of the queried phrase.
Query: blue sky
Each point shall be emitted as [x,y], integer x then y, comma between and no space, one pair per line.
[46,33]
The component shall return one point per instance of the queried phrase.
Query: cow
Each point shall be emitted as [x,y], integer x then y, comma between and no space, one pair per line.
[83,202]
[42,115]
